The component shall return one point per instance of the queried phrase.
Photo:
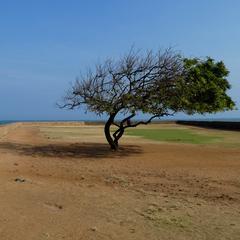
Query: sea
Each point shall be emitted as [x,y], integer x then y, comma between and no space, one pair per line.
[6,122]
[2,122]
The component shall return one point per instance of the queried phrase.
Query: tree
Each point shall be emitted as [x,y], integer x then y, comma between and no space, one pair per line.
[159,84]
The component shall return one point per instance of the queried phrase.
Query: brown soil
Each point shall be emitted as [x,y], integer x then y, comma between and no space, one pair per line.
[56,190]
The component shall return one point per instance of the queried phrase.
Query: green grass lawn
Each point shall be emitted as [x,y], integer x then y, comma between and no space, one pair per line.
[174,135]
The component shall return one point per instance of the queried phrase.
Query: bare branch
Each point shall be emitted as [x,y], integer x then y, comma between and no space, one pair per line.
[149,120]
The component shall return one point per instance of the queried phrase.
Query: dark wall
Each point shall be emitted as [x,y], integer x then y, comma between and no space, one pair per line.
[235,126]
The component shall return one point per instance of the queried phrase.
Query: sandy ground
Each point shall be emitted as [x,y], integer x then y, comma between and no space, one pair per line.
[73,190]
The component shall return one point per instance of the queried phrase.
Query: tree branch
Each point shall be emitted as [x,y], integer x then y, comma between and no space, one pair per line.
[149,120]
[127,118]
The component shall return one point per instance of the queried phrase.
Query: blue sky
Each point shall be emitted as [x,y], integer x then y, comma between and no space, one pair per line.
[44,45]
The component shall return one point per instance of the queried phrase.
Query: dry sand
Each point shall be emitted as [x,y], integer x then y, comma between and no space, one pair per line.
[56,189]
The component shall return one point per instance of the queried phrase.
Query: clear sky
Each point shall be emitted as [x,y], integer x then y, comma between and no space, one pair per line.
[44,44]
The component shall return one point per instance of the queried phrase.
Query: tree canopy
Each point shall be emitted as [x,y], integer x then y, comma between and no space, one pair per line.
[159,84]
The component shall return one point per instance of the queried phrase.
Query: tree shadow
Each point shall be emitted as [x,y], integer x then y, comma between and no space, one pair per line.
[78,150]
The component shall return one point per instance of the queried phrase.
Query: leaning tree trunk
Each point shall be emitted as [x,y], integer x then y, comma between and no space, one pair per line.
[113,144]
[117,135]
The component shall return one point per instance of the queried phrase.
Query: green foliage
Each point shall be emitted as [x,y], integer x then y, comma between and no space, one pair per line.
[203,87]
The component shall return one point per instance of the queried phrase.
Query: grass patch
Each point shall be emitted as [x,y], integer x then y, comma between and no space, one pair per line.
[174,135]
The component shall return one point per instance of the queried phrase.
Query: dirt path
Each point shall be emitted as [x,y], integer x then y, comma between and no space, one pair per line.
[56,190]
